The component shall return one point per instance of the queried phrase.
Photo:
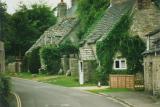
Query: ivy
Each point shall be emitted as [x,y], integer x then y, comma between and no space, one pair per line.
[119,40]
[88,12]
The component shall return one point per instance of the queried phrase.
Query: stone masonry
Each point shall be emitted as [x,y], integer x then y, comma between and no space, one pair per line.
[145,20]
[73,65]
[65,63]
[152,74]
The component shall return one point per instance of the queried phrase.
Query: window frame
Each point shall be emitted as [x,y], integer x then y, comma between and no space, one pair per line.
[120,64]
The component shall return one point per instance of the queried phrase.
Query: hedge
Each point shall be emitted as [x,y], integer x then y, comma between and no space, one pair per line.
[5,89]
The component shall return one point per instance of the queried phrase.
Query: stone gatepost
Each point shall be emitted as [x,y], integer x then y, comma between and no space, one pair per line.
[2,57]
[18,65]
[73,65]
[65,63]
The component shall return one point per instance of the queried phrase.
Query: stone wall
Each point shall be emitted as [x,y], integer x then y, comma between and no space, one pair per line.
[65,64]
[152,74]
[73,65]
[2,57]
[145,20]
[14,67]
[89,68]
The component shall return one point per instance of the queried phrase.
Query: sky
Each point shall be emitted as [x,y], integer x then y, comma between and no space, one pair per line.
[12,5]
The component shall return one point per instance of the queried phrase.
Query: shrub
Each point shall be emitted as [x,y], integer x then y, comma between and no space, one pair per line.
[50,59]
[5,88]
[68,48]
[34,61]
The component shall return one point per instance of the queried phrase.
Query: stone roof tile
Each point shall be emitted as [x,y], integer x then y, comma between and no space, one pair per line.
[111,17]
[55,33]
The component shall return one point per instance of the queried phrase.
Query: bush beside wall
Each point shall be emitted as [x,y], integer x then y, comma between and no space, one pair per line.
[5,89]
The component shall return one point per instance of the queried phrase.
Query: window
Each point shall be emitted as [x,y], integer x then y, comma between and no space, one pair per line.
[120,64]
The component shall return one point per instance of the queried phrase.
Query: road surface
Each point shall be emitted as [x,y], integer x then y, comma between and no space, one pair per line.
[36,94]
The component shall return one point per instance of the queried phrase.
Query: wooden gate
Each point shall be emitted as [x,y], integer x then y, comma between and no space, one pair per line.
[122,81]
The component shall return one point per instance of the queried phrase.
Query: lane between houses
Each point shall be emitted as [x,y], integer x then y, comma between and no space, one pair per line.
[36,94]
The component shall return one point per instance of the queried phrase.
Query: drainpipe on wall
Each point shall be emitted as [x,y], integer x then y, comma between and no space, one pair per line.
[148,43]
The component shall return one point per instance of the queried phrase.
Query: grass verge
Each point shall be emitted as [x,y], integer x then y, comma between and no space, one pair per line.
[110,90]
[51,79]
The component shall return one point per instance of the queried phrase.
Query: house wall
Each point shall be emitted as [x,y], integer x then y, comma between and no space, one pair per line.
[72,36]
[73,65]
[145,20]
[89,67]
[152,74]
[2,57]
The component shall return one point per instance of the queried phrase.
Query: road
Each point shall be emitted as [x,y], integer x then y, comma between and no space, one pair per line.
[36,94]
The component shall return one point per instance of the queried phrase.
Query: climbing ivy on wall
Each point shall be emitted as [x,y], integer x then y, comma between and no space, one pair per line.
[88,12]
[119,40]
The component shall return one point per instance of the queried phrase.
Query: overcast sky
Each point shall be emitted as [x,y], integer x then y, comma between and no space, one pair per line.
[12,5]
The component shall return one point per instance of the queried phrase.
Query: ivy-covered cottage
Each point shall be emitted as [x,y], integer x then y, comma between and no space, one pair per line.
[115,42]
[63,31]
[112,45]
[2,57]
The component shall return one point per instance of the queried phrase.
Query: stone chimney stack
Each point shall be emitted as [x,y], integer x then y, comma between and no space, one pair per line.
[143,4]
[62,9]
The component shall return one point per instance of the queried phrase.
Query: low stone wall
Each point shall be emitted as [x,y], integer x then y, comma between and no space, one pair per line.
[65,64]
[14,67]
[2,57]
[73,65]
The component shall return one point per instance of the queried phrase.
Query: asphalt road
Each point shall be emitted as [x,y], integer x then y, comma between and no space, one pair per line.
[36,94]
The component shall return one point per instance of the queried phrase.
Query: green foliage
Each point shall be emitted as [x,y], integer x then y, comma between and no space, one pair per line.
[5,88]
[27,24]
[89,11]
[50,59]
[157,2]
[119,40]
[68,48]
[34,61]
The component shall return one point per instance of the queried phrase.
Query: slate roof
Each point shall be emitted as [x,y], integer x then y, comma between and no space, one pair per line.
[111,17]
[56,33]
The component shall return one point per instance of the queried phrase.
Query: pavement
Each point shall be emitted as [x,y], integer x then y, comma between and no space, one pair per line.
[37,94]
[131,99]
[134,99]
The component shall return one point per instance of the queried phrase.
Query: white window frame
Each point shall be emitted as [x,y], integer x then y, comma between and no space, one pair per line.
[120,64]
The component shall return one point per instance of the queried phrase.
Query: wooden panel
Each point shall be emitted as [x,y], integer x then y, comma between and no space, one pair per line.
[122,81]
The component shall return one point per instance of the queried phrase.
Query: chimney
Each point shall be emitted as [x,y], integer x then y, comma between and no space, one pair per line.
[143,4]
[62,9]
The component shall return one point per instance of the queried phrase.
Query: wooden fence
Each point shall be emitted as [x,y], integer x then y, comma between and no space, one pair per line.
[122,81]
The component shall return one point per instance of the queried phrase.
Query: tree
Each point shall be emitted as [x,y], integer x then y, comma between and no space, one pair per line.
[29,24]
[2,17]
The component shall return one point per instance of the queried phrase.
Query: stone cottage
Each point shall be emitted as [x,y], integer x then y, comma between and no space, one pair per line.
[65,29]
[88,59]
[146,17]
[146,24]
[152,63]
[2,57]
[61,31]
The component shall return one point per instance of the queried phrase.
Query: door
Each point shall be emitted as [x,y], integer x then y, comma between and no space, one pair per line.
[81,73]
